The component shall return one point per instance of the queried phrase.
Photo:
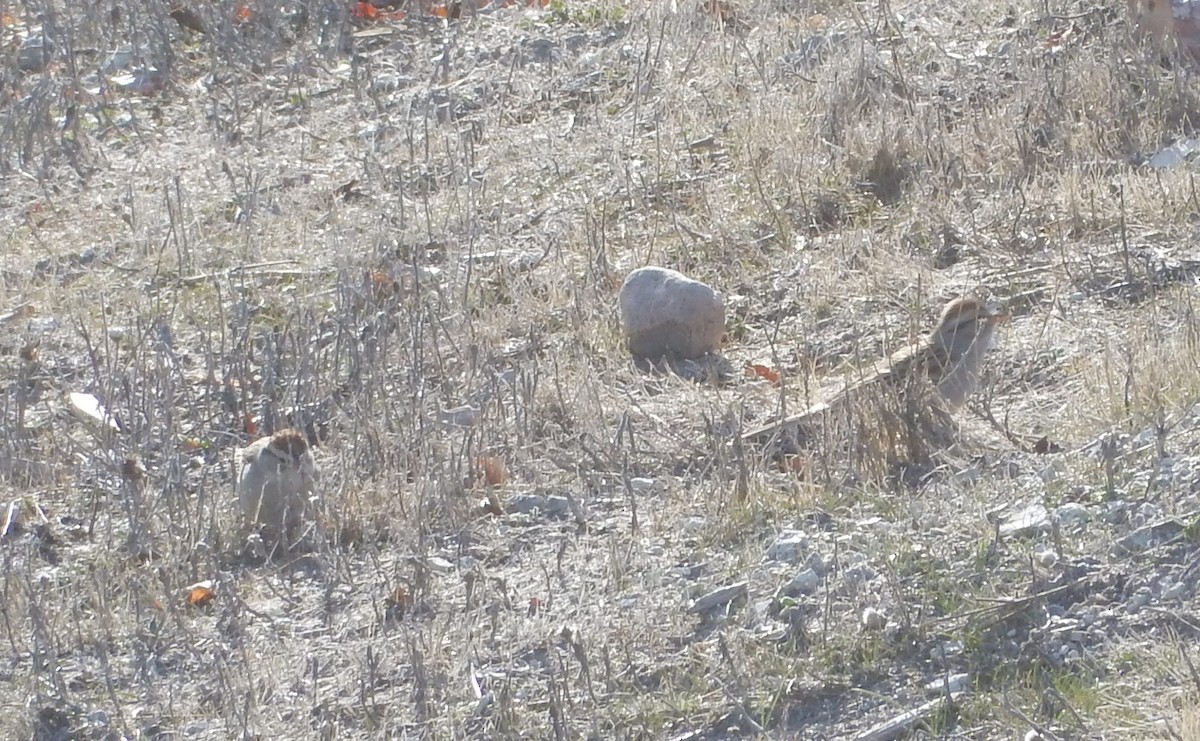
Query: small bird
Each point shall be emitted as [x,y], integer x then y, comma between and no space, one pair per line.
[276,477]
[950,358]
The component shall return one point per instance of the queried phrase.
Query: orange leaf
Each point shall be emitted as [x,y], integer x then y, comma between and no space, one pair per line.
[453,11]
[382,284]
[200,594]
[248,425]
[754,370]
[364,10]
[241,13]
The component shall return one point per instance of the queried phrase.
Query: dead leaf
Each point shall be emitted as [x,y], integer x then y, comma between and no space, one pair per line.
[754,370]
[451,12]
[364,11]
[248,425]
[201,593]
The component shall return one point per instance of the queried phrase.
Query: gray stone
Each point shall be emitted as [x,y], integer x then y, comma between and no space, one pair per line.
[1032,519]
[719,597]
[953,683]
[665,313]
[527,504]
[806,582]
[1072,515]
[1174,591]
[789,546]
[1151,536]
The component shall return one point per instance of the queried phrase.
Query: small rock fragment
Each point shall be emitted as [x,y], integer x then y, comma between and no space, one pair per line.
[954,683]
[665,313]
[1174,591]
[719,597]
[789,546]
[641,484]
[1145,538]
[1032,519]
[550,506]
[462,416]
[858,575]
[806,582]
[1072,515]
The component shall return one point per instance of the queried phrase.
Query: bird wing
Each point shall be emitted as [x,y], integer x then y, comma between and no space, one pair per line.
[889,371]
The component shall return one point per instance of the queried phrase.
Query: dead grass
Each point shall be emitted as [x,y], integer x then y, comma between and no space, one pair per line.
[360,233]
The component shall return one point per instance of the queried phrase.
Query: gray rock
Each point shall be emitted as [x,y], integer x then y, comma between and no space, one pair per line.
[1173,591]
[34,54]
[665,313]
[1138,600]
[806,582]
[719,597]
[1151,536]
[858,575]
[789,546]
[1032,519]
[953,683]
[550,506]
[1072,515]
[641,484]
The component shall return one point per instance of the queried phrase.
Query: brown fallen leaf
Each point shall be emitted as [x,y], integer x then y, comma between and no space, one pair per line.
[200,594]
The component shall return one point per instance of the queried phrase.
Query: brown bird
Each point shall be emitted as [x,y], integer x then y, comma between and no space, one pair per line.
[276,478]
[950,359]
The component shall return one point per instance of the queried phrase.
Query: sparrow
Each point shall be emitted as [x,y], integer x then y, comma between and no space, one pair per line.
[276,477]
[950,359]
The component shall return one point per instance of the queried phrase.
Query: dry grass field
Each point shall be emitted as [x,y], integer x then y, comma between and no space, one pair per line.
[405,237]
